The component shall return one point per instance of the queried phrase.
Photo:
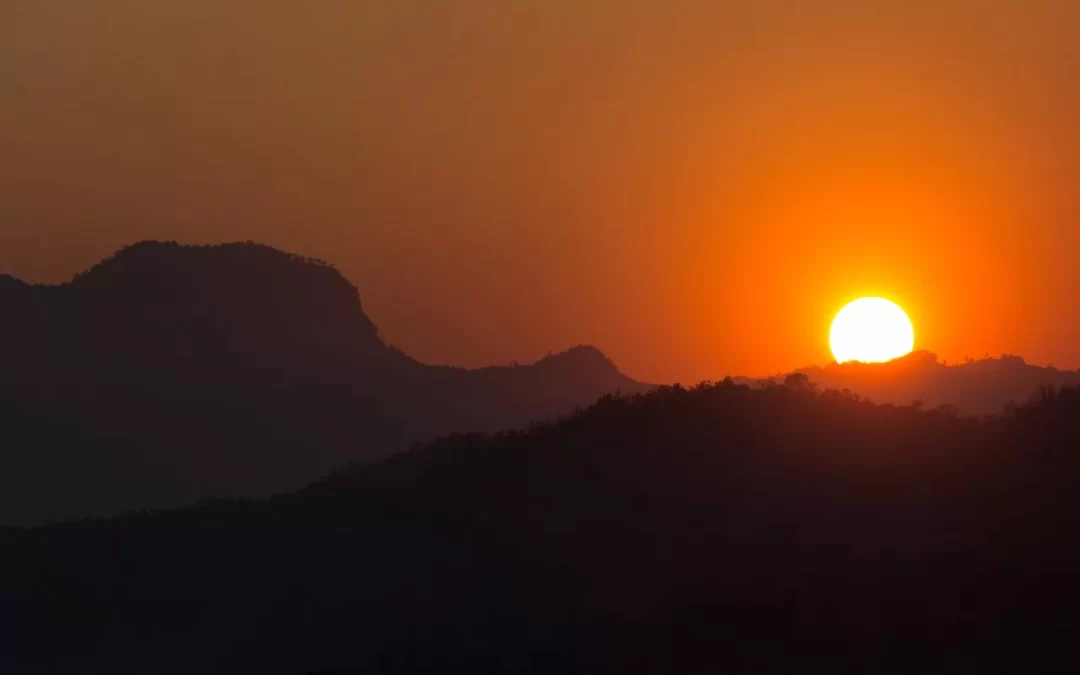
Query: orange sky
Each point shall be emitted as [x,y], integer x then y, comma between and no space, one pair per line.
[693,187]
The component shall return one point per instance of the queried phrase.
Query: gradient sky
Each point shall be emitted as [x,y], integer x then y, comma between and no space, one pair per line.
[695,187]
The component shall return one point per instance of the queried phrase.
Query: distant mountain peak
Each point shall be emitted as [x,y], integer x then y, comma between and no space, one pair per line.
[255,302]
[7,281]
[581,355]
[156,259]
[235,366]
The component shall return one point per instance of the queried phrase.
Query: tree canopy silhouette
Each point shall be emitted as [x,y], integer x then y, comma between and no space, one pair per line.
[714,529]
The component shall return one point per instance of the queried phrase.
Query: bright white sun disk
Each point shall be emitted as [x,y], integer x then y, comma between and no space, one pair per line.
[871,330]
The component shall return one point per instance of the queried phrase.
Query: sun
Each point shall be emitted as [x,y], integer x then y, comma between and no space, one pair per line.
[871,330]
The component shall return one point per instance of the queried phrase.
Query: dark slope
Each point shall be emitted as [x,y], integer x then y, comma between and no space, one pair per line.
[983,387]
[169,372]
[720,530]
[10,282]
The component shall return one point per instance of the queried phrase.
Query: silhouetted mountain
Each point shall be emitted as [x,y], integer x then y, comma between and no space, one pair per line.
[717,530]
[979,387]
[9,282]
[168,373]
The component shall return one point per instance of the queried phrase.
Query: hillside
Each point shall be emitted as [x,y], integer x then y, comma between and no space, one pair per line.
[721,529]
[976,387]
[168,373]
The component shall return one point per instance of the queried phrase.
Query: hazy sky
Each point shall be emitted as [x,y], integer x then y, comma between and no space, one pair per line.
[694,187]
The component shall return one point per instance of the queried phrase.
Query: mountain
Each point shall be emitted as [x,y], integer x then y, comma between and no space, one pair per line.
[7,282]
[167,373]
[983,387]
[722,529]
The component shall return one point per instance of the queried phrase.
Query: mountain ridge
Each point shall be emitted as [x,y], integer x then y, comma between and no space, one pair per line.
[231,370]
[976,387]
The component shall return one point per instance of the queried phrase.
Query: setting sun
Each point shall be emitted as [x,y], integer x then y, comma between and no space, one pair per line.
[871,330]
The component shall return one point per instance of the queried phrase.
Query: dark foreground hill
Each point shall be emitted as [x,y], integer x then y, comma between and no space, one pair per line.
[168,373]
[718,530]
